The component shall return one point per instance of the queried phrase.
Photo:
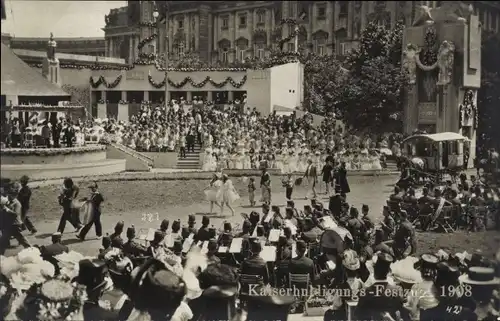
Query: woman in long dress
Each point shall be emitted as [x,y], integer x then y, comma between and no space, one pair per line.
[211,192]
[227,194]
[207,161]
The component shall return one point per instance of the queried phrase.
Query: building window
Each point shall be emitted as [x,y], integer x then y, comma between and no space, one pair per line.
[225,22]
[243,21]
[259,45]
[261,17]
[320,44]
[321,12]
[224,55]
[343,9]
[242,53]
[242,47]
[342,49]
[180,24]
[181,49]
[291,47]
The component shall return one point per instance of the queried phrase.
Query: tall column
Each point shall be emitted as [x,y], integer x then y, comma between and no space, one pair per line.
[130,50]
[111,49]
[103,95]
[230,95]
[106,46]
[210,95]
[189,96]
[146,95]
[124,95]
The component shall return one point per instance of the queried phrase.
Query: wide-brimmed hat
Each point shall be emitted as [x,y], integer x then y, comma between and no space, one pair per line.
[404,271]
[480,276]
[91,272]
[350,260]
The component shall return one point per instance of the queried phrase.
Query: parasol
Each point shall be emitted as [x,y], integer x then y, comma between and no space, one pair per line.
[386,151]
[419,162]
[331,240]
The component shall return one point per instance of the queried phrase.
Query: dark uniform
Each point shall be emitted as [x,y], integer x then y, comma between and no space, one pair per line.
[53,249]
[116,240]
[404,236]
[302,265]
[255,265]
[203,233]
[131,247]
[388,227]
[24,198]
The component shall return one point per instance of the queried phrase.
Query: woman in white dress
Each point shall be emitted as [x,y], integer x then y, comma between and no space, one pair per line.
[302,162]
[375,160]
[292,163]
[207,161]
[211,192]
[227,194]
[238,161]
[247,163]
[279,161]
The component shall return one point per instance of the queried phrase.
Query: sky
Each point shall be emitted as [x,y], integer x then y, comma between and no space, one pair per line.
[62,18]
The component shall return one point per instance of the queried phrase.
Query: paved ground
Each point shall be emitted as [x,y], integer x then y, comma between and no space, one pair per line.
[145,203]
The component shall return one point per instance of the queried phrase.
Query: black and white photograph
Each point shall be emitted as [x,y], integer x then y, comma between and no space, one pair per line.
[250,160]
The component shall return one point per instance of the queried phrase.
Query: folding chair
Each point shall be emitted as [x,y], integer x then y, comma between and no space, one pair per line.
[299,283]
[445,219]
[246,280]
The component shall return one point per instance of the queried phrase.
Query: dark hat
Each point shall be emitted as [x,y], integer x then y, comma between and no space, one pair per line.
[266,206]
[24,179]
[289,210]
[301,246]
[119,226]
[212,232]
[480,276]
[91,272]
[364,207]
[158,237]
[282,240]
[255,245]
[275,208]
[227,227]
[56,236]
[106,241]
[191,218]
[185,232]
[287,231]
[307,207]
[247,224]
[176,225]
[212,245]
[426,261]
[384,258]
[254,217]
[447,271]
[290,203]
[131,232]
[353,211]
[164,224]
[205,220]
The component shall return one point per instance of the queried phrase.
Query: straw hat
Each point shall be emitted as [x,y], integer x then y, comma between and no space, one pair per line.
[480,276]
[404,271]
[350,260]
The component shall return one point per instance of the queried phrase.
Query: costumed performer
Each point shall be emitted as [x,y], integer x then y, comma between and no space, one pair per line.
[227,194]
[211,192]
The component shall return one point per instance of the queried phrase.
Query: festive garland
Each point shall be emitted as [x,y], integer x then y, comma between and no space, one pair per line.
[50,151]
[103,80]
[430,53]
[293,34]
[106,67]
[143,42]
[155,84]
[148,55]
[205,81]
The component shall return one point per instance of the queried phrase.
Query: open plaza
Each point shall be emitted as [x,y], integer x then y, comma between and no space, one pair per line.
[143,191]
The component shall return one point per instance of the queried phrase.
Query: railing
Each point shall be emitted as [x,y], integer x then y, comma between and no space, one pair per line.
[132,153]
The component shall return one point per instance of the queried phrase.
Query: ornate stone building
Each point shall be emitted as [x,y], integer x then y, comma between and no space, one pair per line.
[227,31]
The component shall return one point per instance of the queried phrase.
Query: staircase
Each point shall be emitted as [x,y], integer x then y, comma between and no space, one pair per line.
[192,160]
[133,153]
[392,166]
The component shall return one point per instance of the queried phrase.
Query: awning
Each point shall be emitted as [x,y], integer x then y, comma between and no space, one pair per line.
[439,137]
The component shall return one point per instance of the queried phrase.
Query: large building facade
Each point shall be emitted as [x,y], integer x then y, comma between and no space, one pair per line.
[229,31]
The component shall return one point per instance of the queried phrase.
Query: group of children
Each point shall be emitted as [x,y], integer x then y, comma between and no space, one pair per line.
[288,183]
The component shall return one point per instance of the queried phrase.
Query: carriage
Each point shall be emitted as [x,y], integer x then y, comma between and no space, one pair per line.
[434,155]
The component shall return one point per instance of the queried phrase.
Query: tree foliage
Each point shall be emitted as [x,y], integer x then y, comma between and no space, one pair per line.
[372,95]
[489,94]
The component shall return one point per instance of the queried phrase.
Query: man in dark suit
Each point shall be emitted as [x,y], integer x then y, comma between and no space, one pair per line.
[116,237]
[388,224]
[311,174]
[255,265]
[425,199]
[381,297]
[396,196]
[55,248]
[404,237]
[302,264]
[203,233]
[131,247]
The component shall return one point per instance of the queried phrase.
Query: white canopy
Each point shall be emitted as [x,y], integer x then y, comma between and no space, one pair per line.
[439,137]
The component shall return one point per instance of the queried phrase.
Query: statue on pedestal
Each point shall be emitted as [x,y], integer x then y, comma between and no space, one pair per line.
[410,62]
[446,58]
[51,48]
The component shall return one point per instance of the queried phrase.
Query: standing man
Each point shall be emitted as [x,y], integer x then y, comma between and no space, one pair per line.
[13,209]
[24,198]
[404,237]
[341,184]
[69,134]
[56,133]
[265,186]
[69,192]
[96,200]
[311,175]
[46,134]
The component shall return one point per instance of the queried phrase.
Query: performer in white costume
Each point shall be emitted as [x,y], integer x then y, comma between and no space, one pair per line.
[211,192]
[227,194]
